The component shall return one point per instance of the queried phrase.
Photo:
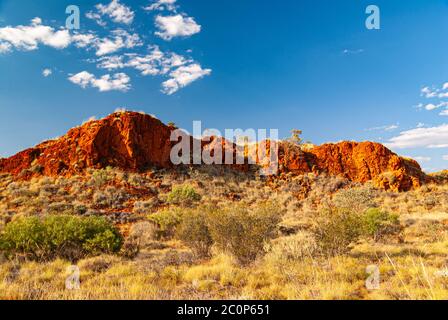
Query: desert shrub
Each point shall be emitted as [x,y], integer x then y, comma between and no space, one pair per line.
[98,264]
[61,236]
[144,232]
[430,201]
[336,229]
[243,232]
[377,223]
[356,199]
[427,231]
[167,220]
[79,208]
[102,176]
[60,208]
[111,197]
[194,231]
[292,248]
[184,195]
[141,235]
[145,206]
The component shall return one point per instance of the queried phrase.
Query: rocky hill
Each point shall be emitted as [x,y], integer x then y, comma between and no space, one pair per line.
[361,162]
[135,141]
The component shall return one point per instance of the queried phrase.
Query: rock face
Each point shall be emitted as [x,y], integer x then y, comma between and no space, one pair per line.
[127,140]
[134,141]
[361,162]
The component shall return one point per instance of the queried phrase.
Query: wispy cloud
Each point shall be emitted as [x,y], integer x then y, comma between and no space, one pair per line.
[391,127]
[428,92]
[352,51]
[160,5]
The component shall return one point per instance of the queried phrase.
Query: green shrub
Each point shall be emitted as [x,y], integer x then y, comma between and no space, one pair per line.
[336,229]
[194,231]
[184,195]
[63,236]
[377,223]
[167,220]
[243,232]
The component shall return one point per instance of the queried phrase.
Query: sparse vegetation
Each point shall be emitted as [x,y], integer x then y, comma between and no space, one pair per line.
[230,242]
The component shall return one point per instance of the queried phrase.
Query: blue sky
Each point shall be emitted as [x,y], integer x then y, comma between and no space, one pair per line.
[308,64]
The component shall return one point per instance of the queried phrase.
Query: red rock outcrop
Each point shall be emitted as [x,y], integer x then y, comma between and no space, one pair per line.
[361,162]
[134,141]
[127,140]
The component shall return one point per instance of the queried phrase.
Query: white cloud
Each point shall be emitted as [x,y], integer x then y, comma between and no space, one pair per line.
[432,106]
[176,26]
[5,47]
[444,112]
[111,62]
[427,92]
[47,72]
[83,79]
[118,81]
[183,76]
[169,5]
[97,17]
[434,137]
[384,128]
[181,70]
[351,51]
[116,11]
[30,37]
[84,40]
[120,39]
[36,21]
[445,157]
[154,63]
